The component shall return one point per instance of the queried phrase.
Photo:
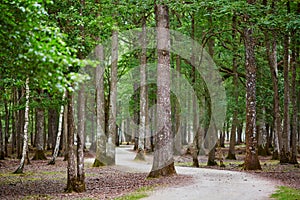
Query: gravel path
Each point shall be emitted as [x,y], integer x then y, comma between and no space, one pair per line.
[208,184]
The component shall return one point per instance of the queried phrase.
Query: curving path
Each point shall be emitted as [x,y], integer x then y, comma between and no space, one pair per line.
[209,184]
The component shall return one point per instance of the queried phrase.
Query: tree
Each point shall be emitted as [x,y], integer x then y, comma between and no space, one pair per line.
[40,122]
[25,141]
[251,158]
[1,142]
[163,162]
[60,127]
[101,138]
[231,151]
[112,126]
[80,141]
[71,173]
[143,97]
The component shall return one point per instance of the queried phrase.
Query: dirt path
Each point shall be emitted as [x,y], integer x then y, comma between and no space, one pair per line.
[208,183]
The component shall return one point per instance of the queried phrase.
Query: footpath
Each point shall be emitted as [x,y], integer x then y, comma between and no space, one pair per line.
[208,184]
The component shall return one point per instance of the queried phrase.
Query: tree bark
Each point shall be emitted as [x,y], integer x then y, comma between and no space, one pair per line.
[60,127]
[163,162]
[80,184]
[178,129]
[294,131]
[39,152]
[25,139]
[239,132]
[20,125]
[101,138]
[251,158]
[52,127]
[65,133]
[143,97]
[2,154]
[285,149]
[71,170]
[196,146]
[231,151]
[6,133]
[271,47]
[112,127]
[14,122]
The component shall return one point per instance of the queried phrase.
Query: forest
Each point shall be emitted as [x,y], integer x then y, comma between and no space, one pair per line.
[197,84]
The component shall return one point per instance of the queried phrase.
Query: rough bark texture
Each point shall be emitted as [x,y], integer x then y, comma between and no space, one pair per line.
[39,152]
[52,127]
[239,132]
[163,162]
[14,119]
[143,96]
[285,148]
[60,126]
[71,172]
[6,134]
[251,158]
[293,156]
[1,142]
[100,112]
[65,135]
[80,185]
[112,127]
[231,151]
[26,122]
[20,125]
[271,49]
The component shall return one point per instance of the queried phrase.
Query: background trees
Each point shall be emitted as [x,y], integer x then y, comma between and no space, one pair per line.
[251,42]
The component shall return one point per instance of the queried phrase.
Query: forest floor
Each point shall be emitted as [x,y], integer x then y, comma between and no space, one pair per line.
[42,181]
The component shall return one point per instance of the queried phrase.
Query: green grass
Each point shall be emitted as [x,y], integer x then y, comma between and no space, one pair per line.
[286,193]
[138,194]
[39,196]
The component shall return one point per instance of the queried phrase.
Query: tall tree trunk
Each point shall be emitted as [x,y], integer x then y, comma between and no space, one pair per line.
[293,156]
[52,127]
[14,122]
[262,133]
[71,169]
[143,96]
[210,128]
[60,127]
[65,133]
[136,118]
[80,187]
[196,143]
[20,125]
[112,127]
[285,149]
[6,133]
[25,139]
[101,138]
[251,158]
[231,151]
[2,154]
[271,49]
[239,132]
[163,162]
[178,133]
[39,152]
